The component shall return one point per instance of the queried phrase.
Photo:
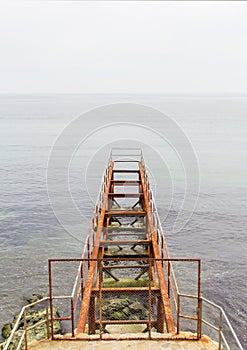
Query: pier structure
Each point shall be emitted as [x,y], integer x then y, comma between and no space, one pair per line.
[126,282]
[126,236]
[126,285]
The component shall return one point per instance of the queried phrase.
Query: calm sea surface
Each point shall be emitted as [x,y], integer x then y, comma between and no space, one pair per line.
[216,232]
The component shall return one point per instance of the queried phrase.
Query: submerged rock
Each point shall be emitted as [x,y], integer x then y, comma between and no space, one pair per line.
[124,309]
[6,330]
[35,297]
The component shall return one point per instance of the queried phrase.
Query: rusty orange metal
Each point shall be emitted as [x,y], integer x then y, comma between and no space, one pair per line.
[111,248]
[165,311]
[87,291]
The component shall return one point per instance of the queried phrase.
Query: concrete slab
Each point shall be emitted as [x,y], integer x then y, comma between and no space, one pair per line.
[204,344]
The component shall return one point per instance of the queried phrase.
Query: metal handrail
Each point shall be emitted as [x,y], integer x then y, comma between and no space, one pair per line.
[15,328]
[219,329]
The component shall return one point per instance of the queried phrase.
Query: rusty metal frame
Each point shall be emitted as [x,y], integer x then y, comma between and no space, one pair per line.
[99,290]
[154,232]
[164,292]
[151,291]
[97,224]
[87,292]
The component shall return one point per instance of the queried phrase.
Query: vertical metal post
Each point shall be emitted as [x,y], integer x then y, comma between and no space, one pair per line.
[92,316]
[25,328]
[88,253]
[100,297]
[96,215]
[162,249]
[168,282]
[199,321]
[50,291]
[199,313]
[47,319]
[160,315]
[220,330]
[149,299]
[82,278]
[178,314]
[72,317]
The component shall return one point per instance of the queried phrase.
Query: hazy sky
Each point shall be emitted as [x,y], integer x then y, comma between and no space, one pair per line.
[131,47]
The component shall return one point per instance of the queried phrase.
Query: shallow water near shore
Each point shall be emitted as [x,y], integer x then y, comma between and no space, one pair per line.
[216,233]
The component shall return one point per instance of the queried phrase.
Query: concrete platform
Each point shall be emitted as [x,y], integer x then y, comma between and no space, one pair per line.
[204,344]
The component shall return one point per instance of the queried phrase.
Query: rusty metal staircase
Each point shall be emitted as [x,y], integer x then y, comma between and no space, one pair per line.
[125,232]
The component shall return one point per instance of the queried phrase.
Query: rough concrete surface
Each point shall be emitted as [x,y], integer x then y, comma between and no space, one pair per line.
[204,344]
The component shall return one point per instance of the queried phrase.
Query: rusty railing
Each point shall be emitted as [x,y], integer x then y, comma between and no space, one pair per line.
[152,288]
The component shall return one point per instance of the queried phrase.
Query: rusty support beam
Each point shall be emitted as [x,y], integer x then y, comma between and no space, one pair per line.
[126,182]
[127,228]
[125,213]
[110,273]
[125,266]
[89,282]
[164,292]
[126,256]
[127,322]
[125,195]
[160,315]
[126,291]
[126,234]
[92,316]
[125,171]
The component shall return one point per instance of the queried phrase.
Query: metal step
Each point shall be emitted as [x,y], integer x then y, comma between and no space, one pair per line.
[125,213]
[107,243]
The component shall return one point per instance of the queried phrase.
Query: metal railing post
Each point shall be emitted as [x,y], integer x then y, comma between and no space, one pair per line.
[50,291]
[199,316]
[178,314]
[83,268]
[220,330]
[169,282]
[47,319]
[25,329]
[149,300]
[72,317]
[100,297]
